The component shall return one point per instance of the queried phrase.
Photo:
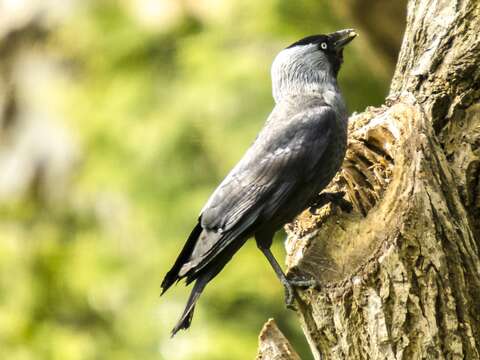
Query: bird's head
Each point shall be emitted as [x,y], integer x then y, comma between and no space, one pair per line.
[309,64]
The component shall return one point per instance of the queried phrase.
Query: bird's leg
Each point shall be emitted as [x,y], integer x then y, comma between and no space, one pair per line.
[333,197]
[289,290]
[288,283]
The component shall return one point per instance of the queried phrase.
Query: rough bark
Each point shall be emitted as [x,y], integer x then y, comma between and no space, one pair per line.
[274,345]
[400,275]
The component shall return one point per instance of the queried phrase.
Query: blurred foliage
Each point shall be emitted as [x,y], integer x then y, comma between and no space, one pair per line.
[162,110]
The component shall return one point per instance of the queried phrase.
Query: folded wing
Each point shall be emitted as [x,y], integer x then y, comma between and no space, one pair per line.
[266,179]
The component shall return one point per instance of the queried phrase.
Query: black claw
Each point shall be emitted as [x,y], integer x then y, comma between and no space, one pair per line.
[293,282]
[302,281]
[289,296]
[345,205]
[289,282]
[338,199]
[335,198]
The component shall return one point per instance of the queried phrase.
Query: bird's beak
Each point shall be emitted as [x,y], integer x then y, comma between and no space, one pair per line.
[342,37]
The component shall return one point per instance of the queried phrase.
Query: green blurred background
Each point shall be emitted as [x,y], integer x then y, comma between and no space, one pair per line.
[117,120]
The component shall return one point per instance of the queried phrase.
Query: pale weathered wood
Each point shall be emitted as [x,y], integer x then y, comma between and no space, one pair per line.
[273,345]
[401,275]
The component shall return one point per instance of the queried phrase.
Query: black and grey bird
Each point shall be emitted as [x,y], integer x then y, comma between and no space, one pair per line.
[297,153]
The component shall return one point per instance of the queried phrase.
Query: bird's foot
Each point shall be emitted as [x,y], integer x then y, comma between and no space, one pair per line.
[333,197]
[343,204]
[293,282]
[303,280]
[289,295]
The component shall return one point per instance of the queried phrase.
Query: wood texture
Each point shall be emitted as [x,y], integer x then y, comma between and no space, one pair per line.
[400,276]
[273,345]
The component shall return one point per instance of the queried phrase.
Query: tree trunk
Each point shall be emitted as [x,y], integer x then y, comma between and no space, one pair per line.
[400,276]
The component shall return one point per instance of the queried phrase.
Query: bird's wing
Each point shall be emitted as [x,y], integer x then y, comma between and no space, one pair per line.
[280,160]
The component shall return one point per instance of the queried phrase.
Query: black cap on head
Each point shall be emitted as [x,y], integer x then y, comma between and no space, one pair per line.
[330,44]
[312,39]
[337,40]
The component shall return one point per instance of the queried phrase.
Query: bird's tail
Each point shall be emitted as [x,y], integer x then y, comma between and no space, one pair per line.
[186,318]
[173,274]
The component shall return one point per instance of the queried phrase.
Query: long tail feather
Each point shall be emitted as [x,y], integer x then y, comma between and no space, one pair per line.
[186,318]
[172,275]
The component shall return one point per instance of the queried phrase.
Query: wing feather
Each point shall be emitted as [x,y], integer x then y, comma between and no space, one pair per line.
[264,180]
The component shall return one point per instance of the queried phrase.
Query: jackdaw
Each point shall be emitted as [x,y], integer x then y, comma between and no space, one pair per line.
[297,153]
